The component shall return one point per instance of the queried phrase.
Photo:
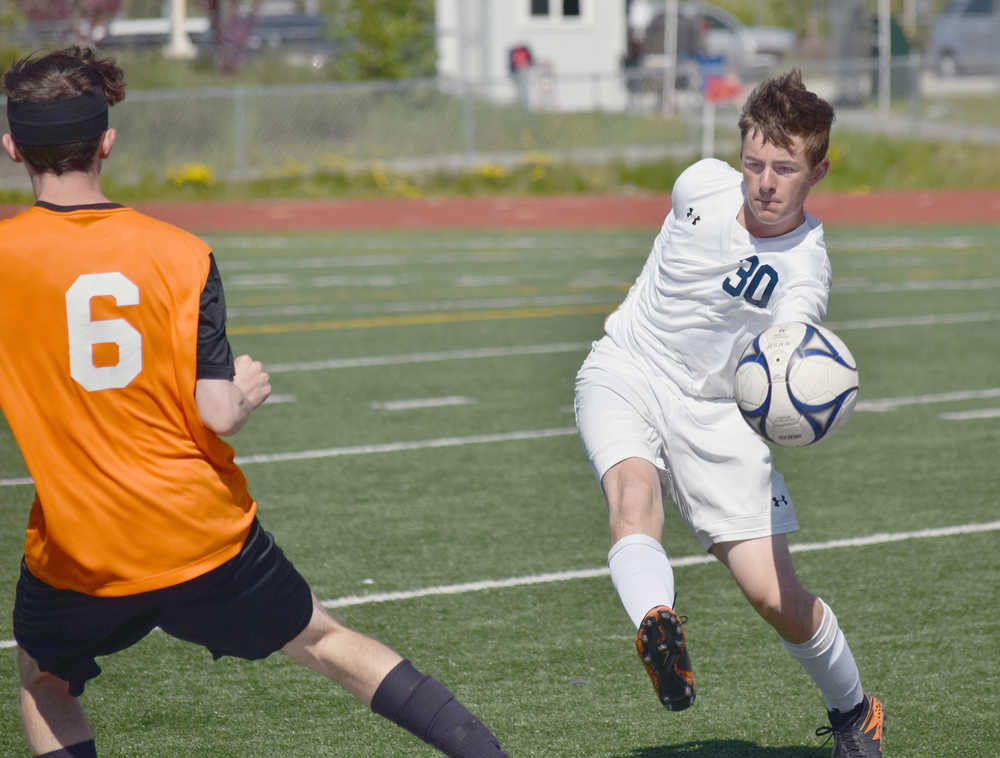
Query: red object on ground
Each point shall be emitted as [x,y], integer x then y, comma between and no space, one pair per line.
[719,89]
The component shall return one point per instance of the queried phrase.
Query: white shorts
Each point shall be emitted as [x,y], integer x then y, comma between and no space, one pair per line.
[717,470]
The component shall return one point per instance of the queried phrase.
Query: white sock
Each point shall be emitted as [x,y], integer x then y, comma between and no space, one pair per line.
[641,575]
[829,661]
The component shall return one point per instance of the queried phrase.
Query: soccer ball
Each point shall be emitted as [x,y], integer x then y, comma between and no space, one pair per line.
[796,384]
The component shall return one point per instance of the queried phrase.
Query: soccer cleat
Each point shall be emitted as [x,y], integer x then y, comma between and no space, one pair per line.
[663,650]
[858,733]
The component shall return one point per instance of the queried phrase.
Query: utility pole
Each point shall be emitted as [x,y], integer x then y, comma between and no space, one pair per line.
[180,46]
[669,55]
[910,18]
[884,72]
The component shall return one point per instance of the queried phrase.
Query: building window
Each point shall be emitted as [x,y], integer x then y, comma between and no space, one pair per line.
[979,6]
[543,9]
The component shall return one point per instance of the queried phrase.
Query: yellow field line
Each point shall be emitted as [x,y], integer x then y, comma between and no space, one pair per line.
[418,319]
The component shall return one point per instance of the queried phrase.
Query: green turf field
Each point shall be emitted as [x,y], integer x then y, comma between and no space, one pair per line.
[421,437]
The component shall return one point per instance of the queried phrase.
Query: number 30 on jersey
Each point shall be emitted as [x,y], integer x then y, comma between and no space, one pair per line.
[85,332]
[754,282]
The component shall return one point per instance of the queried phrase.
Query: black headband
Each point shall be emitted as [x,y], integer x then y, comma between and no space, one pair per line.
[58,122]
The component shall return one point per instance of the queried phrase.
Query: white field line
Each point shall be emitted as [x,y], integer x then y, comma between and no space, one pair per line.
[492,249]
[886,404]
[569,347]
[922,285]
[531,243]
[892,403]
[561,347]
[496,244]
[403,307]
[424,402]
[934,320]
[971,415]
[688,560]
[445,355]
[366,307]
[906,243]
[396,447]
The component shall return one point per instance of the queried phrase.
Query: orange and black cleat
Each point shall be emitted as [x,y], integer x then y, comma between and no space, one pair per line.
[858,733]
[663,650]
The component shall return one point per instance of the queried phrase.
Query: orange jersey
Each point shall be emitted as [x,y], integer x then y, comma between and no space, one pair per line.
[99,311]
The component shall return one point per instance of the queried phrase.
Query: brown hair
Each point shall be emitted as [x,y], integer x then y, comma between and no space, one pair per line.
[782,108]
[42,78]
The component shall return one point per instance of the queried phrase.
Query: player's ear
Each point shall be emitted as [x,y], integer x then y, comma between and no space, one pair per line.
[11,148]
[106,143]
[818,172]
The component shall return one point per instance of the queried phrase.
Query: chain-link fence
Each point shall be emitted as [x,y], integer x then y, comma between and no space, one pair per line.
[435,124]
[250,132]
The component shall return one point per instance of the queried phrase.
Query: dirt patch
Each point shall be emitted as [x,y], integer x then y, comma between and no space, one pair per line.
[583,211]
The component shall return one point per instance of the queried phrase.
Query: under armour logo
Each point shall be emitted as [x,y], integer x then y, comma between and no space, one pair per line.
[779,501]
[691,213]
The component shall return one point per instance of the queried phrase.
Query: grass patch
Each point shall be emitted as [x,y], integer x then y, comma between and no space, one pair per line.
[552,667]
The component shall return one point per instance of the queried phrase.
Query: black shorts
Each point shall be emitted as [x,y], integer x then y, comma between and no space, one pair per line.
[250,606]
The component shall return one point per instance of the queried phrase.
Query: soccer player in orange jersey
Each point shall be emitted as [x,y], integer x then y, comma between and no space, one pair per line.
[117,378]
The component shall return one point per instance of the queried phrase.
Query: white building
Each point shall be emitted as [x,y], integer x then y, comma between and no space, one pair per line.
[577,49]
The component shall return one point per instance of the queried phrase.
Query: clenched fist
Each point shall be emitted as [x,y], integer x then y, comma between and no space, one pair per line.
[252,380]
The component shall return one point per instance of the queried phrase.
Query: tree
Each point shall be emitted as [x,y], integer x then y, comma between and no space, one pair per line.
[384,39]
[78,20]
[232,22]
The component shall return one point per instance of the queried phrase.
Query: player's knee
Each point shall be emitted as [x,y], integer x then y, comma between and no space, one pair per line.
[788,611]
[633,495]
[767,602]
[34,679]
[636,518]
[636,503]
[321,628]
[43,686]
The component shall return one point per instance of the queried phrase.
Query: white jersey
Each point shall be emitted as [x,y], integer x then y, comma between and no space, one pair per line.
[708,287]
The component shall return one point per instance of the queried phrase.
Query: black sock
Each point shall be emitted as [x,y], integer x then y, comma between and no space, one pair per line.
[426,708]
[79,750]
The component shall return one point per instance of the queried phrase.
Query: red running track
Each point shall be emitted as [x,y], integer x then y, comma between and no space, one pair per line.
[579,211]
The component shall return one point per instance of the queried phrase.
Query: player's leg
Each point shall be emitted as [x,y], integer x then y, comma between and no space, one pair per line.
[763,570]
[611,404]
[644,580]
[356,662]
[391,687]
[640,570]
[53,720]
[808,627]
[257,603]
[622,445]
[59,634]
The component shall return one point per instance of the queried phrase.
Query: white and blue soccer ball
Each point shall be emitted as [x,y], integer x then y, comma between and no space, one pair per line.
[796,384]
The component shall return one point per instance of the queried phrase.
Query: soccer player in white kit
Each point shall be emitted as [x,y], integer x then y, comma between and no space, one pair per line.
[655,407]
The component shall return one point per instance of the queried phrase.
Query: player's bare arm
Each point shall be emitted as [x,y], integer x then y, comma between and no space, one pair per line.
[225,405]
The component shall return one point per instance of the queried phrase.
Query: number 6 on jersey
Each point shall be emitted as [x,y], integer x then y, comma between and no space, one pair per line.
[86,332]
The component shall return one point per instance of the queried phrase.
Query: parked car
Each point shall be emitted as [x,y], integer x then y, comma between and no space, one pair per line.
[964,38]
[707,31]
[741,45]
[300,37]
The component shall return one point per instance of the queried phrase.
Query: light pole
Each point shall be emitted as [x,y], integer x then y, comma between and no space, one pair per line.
[180,45]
